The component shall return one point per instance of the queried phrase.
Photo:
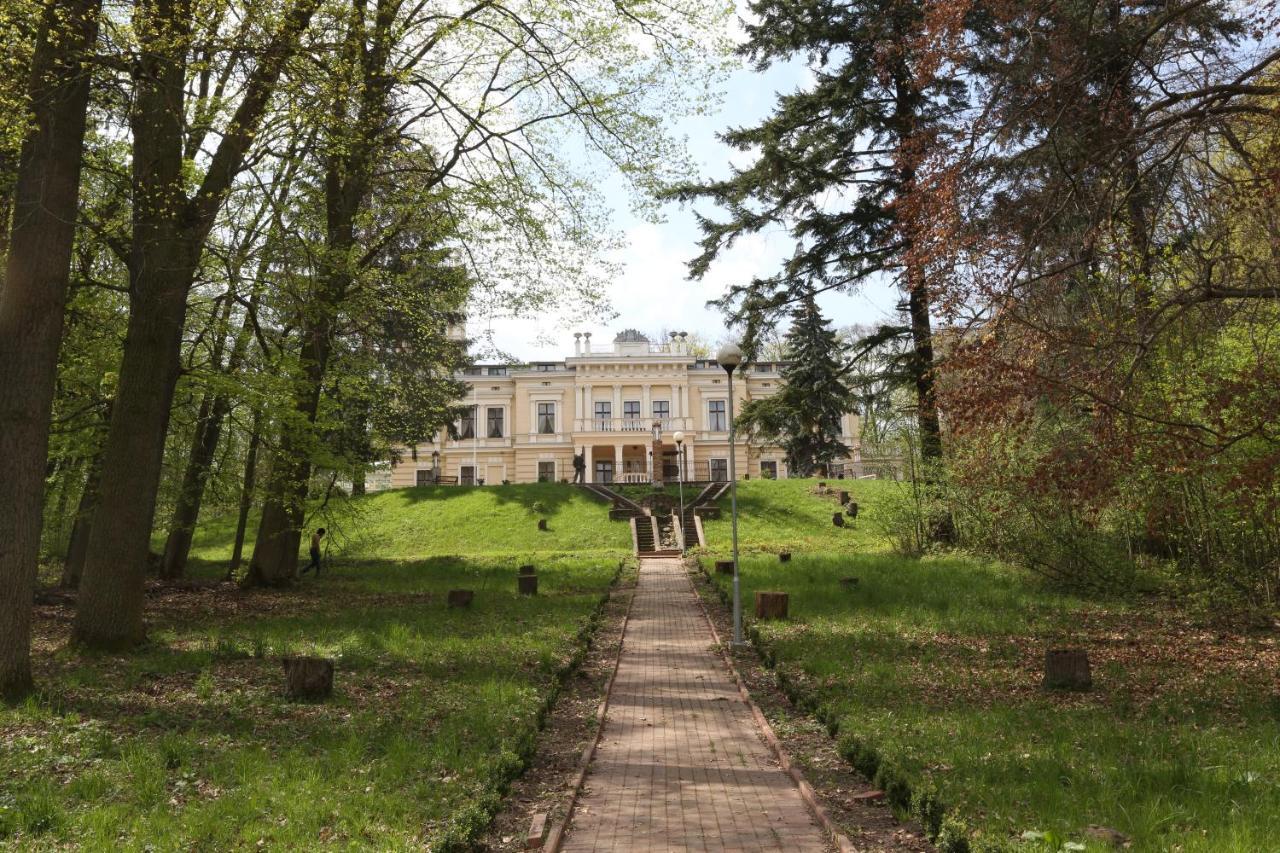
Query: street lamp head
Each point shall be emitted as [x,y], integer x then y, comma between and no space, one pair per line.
[678,436]
[729,357]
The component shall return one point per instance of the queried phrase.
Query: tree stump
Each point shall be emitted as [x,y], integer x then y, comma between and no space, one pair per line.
[852,510]
[461,597]
[849,583]
[542,524]
[771,605]
[784,557]
[822,484]
[527,584]
[838,519]
[527,570]
[724,567]
[1067,669]
[843,497]
[308,678]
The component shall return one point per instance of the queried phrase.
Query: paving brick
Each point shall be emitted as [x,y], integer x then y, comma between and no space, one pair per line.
[681,764]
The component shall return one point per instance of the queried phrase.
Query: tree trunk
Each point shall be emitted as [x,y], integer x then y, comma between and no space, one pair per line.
[204,445]
[186,510]
[246,495]
[169,233]
[78,544]
[922,372]
[32,306]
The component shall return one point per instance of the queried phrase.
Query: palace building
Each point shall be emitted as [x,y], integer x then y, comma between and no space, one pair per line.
[620,406]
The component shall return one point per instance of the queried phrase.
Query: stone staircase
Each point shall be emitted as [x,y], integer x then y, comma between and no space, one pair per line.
[656,535]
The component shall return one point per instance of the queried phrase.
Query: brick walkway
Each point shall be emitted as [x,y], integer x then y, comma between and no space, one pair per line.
[681,764]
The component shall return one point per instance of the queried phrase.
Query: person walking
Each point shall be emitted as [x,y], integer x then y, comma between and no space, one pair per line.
[315,552]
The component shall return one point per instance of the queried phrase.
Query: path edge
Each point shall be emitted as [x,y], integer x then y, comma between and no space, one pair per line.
[556,836]
[807,793]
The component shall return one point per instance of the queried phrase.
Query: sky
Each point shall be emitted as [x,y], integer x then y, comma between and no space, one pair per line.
[653,293]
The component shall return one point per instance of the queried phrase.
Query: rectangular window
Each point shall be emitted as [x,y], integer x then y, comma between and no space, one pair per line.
[547,472]
[604,414]
[604,471]
[631,415]
[716,420]
[424,477]
[546,418]
[661,409]
[467,426]
[769,470]
[720,470]
[497,371]
[467,475]
[495,422]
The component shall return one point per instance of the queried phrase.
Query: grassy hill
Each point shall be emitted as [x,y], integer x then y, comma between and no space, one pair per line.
[786,515]
[436,521]
[930,671]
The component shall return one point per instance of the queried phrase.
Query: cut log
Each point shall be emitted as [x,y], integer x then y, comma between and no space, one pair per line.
[771,605]
[784,557]
[838,519]
[843,497]
[822,484]
[724,567]
[308,678]
[1067,669]
[542,524]
[852,510]
[461,597]
[528,570]
[528,584]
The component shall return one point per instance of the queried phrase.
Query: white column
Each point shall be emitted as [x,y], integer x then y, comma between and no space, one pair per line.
[590,473]
[646,407]
[617,463]
[617,401]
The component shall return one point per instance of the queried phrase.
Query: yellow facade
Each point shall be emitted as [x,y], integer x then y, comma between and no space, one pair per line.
[615,406]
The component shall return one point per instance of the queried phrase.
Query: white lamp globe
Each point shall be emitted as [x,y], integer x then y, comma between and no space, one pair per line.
[729,356]
[679,437]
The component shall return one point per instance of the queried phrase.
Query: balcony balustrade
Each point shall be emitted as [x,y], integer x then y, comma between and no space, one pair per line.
[669,425]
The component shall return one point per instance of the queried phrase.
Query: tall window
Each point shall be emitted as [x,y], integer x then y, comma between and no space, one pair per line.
[604,471]
[719,470]
[661,409]
[467,426]
[631,413]
[769,470]
[546,418]
[716,420]
[495,422]
[467,475]
[604,411]
[547,472]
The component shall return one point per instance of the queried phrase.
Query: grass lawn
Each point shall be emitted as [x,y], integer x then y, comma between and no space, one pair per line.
[785,515]
[931,671]
[444,520]
[189,744]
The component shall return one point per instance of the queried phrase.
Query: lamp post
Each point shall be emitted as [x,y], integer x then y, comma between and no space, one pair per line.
[729,357]
[679,437]
[435,467]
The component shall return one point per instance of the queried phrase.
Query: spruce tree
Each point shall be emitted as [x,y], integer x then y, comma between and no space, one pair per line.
[804,417]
